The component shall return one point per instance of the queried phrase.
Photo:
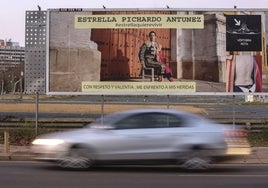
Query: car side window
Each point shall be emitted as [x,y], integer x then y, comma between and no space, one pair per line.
[131,122]
[150,120]
[175,121]
[165,120]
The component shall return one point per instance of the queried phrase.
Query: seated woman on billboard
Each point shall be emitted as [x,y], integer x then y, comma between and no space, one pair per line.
[148,56]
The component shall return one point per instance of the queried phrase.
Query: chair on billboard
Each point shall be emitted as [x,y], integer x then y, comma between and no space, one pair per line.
[147,72]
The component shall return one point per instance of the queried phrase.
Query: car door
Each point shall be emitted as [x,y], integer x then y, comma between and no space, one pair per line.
[142,136]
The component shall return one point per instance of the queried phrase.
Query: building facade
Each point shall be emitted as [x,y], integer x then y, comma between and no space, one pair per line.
[11,66]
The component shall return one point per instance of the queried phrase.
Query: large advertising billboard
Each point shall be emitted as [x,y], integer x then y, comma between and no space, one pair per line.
[155,52]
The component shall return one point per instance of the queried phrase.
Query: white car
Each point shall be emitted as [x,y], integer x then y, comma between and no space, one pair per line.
[154,136]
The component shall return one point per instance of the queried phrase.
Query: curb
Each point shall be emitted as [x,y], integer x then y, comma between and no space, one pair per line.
[15,157]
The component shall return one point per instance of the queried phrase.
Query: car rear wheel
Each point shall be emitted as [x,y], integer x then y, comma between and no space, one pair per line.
[196,163]
[196,160]
[77,158]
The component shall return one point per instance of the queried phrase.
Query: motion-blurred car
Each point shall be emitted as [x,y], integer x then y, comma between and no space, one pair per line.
[154,136]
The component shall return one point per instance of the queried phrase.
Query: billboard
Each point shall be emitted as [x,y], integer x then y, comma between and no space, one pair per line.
[154,52]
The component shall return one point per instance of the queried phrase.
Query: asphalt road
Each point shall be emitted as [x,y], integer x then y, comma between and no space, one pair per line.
[37,174]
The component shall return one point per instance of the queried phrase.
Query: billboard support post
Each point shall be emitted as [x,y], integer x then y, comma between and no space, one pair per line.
[233,111]
[168,101]
[36,112]
[102,108]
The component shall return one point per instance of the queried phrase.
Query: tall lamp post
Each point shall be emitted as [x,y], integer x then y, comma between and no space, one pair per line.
[21,75]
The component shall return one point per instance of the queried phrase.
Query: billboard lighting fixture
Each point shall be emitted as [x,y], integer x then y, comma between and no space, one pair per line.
[70,9]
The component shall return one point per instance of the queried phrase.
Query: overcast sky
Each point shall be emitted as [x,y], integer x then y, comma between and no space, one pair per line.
[12,14]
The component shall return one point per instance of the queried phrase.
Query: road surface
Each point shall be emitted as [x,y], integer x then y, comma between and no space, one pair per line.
[37,174]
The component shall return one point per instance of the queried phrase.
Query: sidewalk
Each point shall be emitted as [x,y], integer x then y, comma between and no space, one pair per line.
[16,153]
[259,155]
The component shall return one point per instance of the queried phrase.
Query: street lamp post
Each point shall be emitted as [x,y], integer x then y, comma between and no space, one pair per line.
[21,75]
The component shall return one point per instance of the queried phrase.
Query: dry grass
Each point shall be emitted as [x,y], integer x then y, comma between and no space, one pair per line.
[87,108]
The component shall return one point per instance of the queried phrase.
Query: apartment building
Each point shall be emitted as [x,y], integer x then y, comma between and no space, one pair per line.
[11,65]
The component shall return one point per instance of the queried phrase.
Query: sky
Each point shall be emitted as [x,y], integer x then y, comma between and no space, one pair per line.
[12,14]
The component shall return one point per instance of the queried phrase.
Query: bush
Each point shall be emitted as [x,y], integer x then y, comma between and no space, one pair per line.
[258,139]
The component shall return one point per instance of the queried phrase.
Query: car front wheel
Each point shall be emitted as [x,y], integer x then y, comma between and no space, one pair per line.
[77,158]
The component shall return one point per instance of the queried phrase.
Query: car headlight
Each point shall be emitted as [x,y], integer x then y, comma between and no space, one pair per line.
[50,142]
